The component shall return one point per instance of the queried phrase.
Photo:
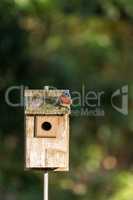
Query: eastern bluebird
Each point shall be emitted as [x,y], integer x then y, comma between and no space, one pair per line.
[65,99]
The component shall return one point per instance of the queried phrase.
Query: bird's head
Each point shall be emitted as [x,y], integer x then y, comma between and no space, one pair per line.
[66,93]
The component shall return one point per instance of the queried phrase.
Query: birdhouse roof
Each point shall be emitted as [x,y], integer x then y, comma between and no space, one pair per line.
[45,102]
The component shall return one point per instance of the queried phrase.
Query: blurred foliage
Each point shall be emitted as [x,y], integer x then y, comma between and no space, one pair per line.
[66,44]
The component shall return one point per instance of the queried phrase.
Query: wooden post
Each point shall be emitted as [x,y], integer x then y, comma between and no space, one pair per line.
[46,186]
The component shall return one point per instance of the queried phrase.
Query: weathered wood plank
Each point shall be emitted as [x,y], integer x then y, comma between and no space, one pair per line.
[47,152]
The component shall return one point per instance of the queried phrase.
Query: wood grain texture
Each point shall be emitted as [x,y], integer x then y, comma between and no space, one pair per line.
[45,152]
[56,123]
[52,93]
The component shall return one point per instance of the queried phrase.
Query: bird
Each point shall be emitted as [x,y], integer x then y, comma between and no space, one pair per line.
[65,99]
[37,101]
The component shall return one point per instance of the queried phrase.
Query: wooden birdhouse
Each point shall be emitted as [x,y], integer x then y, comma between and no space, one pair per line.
[47,129]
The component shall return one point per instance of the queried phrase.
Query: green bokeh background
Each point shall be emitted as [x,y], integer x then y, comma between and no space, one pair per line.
[68,44]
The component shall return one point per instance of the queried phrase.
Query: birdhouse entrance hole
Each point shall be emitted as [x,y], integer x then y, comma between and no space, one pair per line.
[46,126]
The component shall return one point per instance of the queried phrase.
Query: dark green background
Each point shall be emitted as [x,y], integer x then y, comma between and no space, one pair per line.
[66,44]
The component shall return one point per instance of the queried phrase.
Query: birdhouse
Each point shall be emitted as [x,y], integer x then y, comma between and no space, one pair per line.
[47,129]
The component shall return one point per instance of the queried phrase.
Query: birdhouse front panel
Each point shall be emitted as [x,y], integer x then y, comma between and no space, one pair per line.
[47,129]
[49,126]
